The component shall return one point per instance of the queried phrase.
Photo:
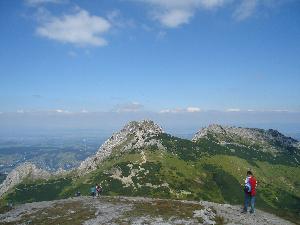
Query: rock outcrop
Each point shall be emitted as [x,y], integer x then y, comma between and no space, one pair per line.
[270,140]
[19,174]
[134,135]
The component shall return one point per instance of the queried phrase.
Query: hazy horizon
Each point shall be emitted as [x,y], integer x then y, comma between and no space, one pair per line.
[105,123]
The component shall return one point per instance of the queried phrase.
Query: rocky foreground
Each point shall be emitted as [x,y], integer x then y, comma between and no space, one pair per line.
[128,210]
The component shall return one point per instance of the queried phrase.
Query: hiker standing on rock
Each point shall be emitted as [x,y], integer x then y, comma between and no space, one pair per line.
[250,192]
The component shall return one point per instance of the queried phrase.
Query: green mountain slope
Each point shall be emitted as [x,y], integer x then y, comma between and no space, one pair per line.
[160,165]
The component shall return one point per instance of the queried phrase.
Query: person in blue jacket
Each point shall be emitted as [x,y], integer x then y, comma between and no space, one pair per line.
[93,191]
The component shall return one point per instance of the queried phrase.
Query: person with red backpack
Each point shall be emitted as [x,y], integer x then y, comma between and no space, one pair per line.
[250,192]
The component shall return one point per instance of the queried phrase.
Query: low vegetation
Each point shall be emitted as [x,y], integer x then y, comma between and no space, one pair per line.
[203,170]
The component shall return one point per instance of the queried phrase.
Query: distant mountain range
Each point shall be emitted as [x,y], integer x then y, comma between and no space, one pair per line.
[143,160]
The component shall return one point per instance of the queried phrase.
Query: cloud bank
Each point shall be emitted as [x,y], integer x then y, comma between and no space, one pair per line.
[175,13]
[245,9]
[183,122]
[190,109]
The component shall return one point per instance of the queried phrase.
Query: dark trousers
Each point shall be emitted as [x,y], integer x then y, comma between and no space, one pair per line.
[249,200]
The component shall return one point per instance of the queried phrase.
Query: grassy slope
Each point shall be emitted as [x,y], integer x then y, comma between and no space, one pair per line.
[193,171]
[277,194]
[279,189]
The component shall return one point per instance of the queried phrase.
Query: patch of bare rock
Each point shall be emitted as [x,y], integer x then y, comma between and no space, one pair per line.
[133,210]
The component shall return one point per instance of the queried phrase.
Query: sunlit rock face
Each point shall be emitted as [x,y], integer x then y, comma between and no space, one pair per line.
[134,135]
[24,171]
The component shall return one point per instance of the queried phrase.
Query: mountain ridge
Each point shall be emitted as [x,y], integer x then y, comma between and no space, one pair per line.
[142,160]
[260,140]
[134,135]
[251,134]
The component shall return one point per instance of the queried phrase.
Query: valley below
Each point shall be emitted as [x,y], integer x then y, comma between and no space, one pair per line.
[48,151]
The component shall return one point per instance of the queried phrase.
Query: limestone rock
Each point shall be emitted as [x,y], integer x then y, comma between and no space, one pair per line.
[270,140]
[134,135]
[16,176]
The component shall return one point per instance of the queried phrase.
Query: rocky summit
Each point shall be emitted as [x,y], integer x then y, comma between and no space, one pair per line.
[143,161]
[18,175]
[267,140]
[133,136]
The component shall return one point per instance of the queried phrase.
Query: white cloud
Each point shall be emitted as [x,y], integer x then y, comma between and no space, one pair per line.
[173,13]
[80,28]
[233,110]
[270,110]
[186,3]
[20,111]
[213,3]
[61,111]
[128,107]
[165,111]
[174,18]
[245,9]
[193,109]
[280,110]
[229,110]
[182,110]
[178,110]
[117,20]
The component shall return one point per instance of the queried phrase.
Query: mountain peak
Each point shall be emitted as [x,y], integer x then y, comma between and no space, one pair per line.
[17,175]
[147,127]
[205,131]
[267,139]
[134,135]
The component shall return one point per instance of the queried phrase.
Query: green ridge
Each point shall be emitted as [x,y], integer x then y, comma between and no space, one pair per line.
[183,170]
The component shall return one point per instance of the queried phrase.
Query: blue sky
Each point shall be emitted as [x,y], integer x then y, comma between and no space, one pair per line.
[150,56]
